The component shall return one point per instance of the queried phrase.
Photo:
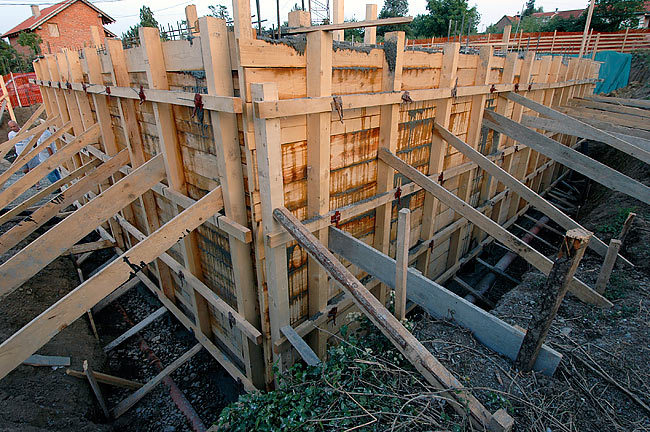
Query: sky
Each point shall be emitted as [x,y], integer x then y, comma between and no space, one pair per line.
[125,12]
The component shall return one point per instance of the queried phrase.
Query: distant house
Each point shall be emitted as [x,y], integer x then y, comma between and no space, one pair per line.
[545,16]
[63,25]
[644,17]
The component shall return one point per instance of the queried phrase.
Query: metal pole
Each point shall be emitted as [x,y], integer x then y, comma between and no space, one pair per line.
[449,32]
[259,18]
[587,25]
[277,2]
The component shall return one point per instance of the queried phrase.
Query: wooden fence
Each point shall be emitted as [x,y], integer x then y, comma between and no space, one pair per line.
[226,122]
[553,42]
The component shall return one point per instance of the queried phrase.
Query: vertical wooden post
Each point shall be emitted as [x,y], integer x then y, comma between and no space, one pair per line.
[133,138]
[626,226]
[608,265]
[627,30]
[370,33]
[192,17]
[402,261]
[103,114]
[338,7]
[557,284]
[590,12]
[505,41]
[93,384]
[458,244]
[53,75]
[319,83]
[451,54]
[166,126]
[45,91]
[269,165]
[214,45]
[553,41]
[388,135]
[12,115]
[96,35]
[593,54]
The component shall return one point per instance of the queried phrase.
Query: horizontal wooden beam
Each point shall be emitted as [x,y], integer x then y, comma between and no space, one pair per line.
[636,103]
[64,312]
[440,302]
[106,379]
[313,105]
[568,157]
[210,102]
[350,25]
[434,372]
[532,256]
[90,247]
[582,129]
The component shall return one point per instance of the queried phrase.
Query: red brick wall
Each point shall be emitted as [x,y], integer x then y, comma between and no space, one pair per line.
[74,28]
[27,51]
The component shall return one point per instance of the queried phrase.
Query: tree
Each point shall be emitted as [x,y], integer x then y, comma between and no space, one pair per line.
[441,13]
[11,60]
[220,11]
[32,40]
[353,34]
[146,20]
[529,9]
[392,9]
[613,15]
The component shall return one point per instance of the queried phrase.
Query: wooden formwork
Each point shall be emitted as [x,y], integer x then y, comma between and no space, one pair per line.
[183,150]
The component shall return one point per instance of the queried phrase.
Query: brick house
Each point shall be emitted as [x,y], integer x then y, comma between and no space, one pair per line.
[64,25]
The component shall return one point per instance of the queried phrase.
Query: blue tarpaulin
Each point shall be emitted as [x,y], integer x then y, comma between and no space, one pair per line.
[615,70]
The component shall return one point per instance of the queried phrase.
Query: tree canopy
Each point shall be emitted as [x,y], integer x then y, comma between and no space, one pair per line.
[392,9]
[146,20]
[11,60]
[441,13]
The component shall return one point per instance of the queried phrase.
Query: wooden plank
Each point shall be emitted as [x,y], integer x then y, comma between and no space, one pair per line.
[388,136]
[214,45]
[42,251]
[581,129]
[269,165]
[615,108]
[319,83]
[90,247]
[33,176]
[301,346]
[24,130]
[6,146]
[9,106]
[402,260]
[41,329]
[636,103]
[37,197]
[440,302]
[127,403]
[133,138]
[451,55]
[29,154]
[434,372]
[168,135]
[221,306]
[38,218]
[551,295]
[93,384]
[351,25]
[516,186]
[370,33]
[556,126]
[136,328]
[570,158]
[539,261]
[106,379]
[115,295]
[608,265]
[49,361]
[618,119]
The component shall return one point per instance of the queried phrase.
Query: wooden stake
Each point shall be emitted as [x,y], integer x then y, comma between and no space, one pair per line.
[556,286]
[402,258]
[93,384]
[435,373]
[106,379]
[370,33]
[608,265]
[626,227]
[4,92]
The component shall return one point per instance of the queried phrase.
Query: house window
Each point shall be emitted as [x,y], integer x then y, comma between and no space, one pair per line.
[53,29]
